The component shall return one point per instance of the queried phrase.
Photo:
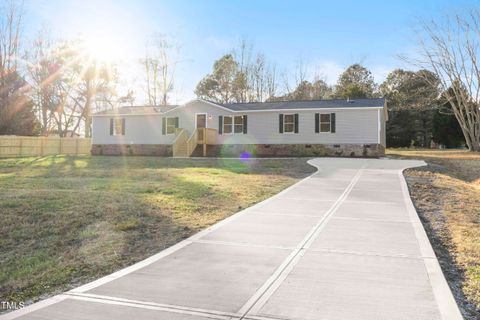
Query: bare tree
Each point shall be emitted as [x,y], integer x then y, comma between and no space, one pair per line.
[44,75]
[161,59]
[298,76]
[10,28]
[237,77]
[94,90]
[451,49]
[243,56]
[67,86]
[257,79]
[300,71]
[271,81]
[16,111]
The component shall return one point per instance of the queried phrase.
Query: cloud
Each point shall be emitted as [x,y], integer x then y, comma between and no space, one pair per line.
[326,70]
[380,73]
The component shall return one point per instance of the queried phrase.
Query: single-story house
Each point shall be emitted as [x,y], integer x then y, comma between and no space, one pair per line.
[200,127]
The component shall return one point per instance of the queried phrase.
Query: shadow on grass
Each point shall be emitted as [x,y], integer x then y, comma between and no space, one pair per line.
[57,241]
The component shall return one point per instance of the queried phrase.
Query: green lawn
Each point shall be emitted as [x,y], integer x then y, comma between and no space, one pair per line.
[68,220]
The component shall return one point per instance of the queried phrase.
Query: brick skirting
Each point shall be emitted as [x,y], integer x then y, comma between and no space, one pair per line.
[255,150]
[298,150]
[162,150]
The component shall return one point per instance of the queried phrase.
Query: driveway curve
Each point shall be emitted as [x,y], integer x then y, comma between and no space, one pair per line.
[344,243]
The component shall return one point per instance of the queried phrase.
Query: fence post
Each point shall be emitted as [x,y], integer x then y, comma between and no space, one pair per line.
[76,146]
[21,146]
[60,145]
[41,145]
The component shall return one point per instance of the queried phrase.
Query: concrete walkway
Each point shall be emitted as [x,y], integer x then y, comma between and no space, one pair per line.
[345,243]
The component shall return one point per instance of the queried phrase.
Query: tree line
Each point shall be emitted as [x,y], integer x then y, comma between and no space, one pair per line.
[420,113]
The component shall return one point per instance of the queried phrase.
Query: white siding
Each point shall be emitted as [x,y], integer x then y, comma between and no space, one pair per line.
[139,129]
[187,114]
[352,126]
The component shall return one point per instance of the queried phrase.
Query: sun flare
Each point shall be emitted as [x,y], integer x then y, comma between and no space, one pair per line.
[103,48]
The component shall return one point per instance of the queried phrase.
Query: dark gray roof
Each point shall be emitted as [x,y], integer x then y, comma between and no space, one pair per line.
[314,104]
[256,106]
[137,110]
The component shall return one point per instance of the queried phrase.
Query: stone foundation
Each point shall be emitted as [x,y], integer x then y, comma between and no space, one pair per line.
[161,150]
[298,150]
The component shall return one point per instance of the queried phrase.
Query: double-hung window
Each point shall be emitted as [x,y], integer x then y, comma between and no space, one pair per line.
[288,123]
[117,126]
[325,122]
[227,124]
[171,125]
[232,124]
[238,124]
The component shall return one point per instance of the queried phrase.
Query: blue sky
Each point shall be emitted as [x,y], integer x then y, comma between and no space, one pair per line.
[327,35]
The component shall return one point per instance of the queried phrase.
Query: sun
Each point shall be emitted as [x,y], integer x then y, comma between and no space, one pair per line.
[103,48]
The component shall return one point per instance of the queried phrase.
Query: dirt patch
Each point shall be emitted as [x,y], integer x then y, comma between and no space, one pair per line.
[429,201]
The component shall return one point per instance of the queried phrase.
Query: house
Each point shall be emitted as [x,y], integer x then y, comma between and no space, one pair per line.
[200,127]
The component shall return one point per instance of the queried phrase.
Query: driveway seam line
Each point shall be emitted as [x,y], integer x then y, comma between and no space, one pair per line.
[370,254]
[271,284]
[242,244]
[373,219]
[215,314]
[287,214]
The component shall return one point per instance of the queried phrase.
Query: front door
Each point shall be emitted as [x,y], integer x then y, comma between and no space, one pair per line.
[201,122]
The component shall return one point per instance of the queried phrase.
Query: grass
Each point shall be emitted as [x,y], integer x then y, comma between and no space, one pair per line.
[68,220]
[447,195]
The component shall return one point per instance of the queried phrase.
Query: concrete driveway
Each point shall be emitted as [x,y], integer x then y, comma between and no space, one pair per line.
[345,243]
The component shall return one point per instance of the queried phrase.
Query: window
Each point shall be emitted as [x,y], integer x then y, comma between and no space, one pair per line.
[289,123]
[117,126]
[325,123]
[238,124]
[227,124]
[171,125]
[233,124]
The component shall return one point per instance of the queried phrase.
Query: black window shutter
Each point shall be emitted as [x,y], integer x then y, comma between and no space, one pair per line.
[244,124]
[220,124]
[317,123]
[296,122]
[332,122]
[111,127]
[280,123]
[123,126]
[164,125]
[176,122]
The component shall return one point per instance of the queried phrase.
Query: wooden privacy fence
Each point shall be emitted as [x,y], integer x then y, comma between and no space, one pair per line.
[16,146]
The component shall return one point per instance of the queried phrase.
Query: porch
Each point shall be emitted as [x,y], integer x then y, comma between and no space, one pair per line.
[184,144]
